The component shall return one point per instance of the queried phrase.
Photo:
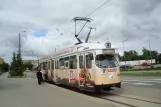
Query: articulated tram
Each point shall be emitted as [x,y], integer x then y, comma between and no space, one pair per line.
[87,66]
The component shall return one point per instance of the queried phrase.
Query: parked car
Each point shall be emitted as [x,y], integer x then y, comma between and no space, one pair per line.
[145,64]
[126,66]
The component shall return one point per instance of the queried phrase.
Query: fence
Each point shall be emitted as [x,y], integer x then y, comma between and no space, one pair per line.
[137,62]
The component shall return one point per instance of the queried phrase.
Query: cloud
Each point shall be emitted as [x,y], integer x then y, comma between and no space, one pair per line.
[138,21]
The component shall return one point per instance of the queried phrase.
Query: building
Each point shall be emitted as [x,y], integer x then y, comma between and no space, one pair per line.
[34,62]
[138,62]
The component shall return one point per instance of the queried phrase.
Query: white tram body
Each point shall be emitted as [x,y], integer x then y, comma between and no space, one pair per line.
[87,66]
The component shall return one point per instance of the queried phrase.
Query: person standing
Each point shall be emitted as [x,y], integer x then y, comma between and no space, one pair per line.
[39,77]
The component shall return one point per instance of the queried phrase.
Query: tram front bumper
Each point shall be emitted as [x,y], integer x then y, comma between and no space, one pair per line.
[104,86]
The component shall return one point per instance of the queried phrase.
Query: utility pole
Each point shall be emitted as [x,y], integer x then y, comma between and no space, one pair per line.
[19,46]
[150,53]
[124,51]
[55,47]
[19,60]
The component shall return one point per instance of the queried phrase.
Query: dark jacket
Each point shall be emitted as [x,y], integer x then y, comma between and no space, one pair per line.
[39,74]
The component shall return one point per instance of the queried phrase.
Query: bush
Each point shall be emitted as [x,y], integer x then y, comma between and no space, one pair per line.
[12,73]
[25,75]
[152,67]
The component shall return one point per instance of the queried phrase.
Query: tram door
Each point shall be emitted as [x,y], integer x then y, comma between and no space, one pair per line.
[85,66]
[52,70]
[49,70]
[81,70]
[56,71]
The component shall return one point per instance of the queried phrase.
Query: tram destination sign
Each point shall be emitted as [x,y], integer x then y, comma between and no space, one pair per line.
[108,51]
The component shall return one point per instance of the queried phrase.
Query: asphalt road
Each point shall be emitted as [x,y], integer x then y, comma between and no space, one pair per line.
[25,92]
[149,87]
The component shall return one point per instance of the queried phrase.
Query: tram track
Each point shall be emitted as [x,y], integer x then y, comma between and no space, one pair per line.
[127,100]
[115,98]
[140,99]
[118,102]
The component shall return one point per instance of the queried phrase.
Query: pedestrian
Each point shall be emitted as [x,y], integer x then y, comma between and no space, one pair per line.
[39,77]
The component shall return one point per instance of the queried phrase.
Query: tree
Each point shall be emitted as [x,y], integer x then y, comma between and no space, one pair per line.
[13,71]
[159,58]
[130,55]
[16,66]
[19,65]
[154,55]
[119,57]
[13,63]
[28,65]
[4,67]
[146,54]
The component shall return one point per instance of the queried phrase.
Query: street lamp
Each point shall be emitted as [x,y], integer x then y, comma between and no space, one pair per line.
[55,47]
[124,50]
[150,53]
[19,46]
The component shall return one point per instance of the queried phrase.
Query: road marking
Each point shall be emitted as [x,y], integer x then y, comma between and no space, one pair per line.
[142,81]
[141,84]
[156,79]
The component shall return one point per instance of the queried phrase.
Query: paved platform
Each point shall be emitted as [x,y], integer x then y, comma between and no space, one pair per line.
[25,92]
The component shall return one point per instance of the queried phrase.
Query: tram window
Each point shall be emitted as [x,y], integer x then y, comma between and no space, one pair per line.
[41,66]
[73,62]
[66,64]
[44,66]
[66,58]
[81,61]
[106,61]
[61,62]
[88,61]
[49,65]
[56,64]
[52,64]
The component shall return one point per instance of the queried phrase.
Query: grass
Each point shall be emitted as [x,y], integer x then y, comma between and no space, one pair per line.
[144,69]
[17,76]
[142,74]
[0,73]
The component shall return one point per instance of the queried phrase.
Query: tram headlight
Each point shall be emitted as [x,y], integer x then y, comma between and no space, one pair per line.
[108,45]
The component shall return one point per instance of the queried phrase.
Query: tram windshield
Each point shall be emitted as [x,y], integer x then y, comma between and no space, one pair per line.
[106,61]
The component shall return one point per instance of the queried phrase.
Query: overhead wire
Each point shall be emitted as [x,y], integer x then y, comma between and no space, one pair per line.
[66,31]
[87,16]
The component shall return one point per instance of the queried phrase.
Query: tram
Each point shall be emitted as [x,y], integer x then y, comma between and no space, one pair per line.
[86,66]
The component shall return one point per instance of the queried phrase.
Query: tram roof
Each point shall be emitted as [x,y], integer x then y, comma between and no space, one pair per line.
[76,48]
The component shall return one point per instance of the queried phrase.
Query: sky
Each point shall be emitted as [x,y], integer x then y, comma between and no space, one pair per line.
[46,23]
